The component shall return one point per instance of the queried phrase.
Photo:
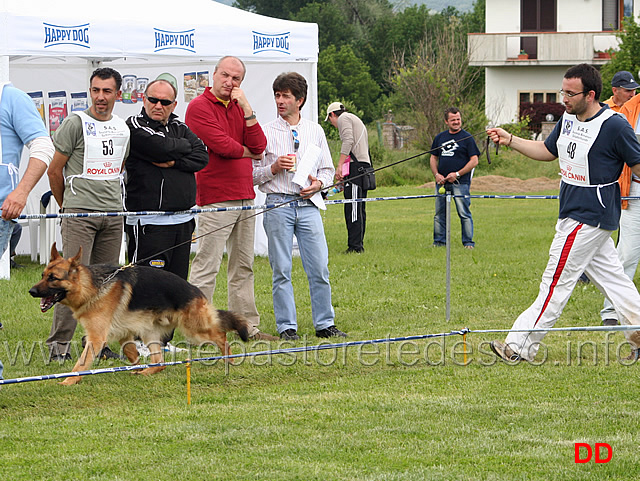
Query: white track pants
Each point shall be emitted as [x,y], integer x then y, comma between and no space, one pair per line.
[576,248]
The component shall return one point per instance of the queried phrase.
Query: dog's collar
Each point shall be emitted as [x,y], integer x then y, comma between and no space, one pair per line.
[115,273]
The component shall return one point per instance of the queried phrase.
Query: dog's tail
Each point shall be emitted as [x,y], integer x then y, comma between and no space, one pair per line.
[230,321]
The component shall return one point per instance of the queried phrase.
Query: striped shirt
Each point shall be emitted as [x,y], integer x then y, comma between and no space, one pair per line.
[280,142]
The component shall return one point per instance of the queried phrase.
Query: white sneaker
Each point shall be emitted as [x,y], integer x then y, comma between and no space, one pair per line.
[171,348]
[143,350]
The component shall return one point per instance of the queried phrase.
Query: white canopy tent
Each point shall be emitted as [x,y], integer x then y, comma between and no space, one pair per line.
[54,46]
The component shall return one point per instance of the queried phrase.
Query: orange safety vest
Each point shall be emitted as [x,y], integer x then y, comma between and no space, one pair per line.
[631,110]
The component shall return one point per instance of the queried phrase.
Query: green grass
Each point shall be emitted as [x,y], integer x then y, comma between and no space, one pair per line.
[408,411]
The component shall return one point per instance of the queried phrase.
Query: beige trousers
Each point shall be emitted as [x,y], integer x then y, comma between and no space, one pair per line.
[236,230]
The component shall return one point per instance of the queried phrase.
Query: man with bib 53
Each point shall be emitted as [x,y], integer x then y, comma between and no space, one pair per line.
[592,144]
[85,175]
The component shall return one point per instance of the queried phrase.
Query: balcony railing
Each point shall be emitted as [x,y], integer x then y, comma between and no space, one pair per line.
[564,48]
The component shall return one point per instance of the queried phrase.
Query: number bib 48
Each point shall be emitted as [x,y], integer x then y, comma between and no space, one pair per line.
[574,143]
[105,144]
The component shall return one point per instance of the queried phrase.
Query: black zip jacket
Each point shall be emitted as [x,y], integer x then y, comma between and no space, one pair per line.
[150,187]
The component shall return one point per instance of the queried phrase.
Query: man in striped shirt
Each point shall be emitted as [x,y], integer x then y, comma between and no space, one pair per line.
[291,138]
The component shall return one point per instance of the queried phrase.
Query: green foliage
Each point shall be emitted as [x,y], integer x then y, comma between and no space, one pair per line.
[435,78]
[626,58]
[341,74]
[519,128]
[274,8]
[395,34]
[475,20]
[366,44]
[333,27]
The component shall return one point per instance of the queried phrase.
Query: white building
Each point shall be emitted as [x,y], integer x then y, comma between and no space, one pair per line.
[555,34]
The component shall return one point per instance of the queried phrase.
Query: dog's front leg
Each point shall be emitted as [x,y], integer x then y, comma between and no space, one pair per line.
[156,357]
[94,345]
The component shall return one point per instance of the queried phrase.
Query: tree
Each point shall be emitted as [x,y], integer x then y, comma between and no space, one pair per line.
[626,58]
[342,75]
[438,76]
[275,8]
[333,27]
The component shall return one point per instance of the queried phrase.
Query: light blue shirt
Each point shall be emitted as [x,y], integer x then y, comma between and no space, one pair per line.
[20,123]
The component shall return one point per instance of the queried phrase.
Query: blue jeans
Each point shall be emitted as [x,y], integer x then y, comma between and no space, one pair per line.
[6,229]
[462,206]
[302,219]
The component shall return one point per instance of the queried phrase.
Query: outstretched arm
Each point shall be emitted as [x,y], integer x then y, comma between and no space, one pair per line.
[534,149]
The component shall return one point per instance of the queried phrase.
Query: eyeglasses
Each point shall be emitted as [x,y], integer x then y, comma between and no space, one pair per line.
[296,142]
[571,94]
[164,102]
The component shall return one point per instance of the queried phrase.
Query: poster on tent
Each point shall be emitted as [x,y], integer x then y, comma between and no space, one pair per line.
[141,86]
[203,82]
[38,101]
[189,83]
[129,94]
[57,109]
[79,102]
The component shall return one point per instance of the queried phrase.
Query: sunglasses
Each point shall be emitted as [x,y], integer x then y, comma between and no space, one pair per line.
[296,142]
[164,102]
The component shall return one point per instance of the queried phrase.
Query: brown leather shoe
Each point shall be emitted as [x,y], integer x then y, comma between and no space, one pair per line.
[635,354]
[263,336]
[504,352]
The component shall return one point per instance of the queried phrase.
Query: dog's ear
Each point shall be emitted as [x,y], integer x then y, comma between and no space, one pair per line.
[76,259]
[54,252]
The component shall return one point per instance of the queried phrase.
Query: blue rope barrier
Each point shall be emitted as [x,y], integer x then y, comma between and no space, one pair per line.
[273,206]
[318,347]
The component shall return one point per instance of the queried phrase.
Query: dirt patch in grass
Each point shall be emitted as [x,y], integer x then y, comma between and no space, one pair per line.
[499,184]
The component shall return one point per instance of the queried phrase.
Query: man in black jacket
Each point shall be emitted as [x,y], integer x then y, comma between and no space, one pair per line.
[164,156]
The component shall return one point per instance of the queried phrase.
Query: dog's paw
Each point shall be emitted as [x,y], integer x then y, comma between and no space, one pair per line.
[70,381]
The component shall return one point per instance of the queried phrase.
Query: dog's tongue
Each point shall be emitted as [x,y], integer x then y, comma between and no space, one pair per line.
[46,303]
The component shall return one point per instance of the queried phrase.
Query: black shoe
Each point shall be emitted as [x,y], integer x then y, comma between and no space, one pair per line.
[106,352]
[610,322]
[331,331]
[15,265]
[289,335]
[60,357]
[350,250]
[439,244]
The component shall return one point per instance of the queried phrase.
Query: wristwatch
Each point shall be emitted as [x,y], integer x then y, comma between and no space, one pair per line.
[457,175]
[251,117]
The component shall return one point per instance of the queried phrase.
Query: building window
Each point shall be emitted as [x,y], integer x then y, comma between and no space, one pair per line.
[610,15]
[628,8]
[539,96]
[538,15]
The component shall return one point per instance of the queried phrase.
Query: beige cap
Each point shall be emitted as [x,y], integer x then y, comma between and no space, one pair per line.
[333,107]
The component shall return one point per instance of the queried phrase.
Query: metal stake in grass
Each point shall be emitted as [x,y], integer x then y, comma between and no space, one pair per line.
[448,241]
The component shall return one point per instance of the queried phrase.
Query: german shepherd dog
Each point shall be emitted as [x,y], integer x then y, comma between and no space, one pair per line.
[137,301]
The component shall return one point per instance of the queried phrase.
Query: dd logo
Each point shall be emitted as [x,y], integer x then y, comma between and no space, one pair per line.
[589,453]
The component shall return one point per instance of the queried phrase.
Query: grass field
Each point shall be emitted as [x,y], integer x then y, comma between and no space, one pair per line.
[402,411]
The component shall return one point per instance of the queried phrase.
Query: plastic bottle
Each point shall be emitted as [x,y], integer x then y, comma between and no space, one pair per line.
[335,190]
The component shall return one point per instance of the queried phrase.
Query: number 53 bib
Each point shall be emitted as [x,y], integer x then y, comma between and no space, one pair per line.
[105,144]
